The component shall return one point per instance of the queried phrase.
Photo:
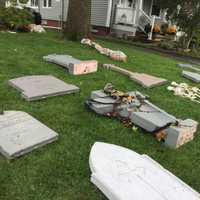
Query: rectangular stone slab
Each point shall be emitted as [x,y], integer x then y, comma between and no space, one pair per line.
[98,94]
[40,87]
[20,133]
[147,81]
[74,66]
[101,109]
[150,122]
[192,76]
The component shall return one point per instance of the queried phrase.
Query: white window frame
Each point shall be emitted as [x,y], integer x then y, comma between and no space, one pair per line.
[35,4]
[47,4]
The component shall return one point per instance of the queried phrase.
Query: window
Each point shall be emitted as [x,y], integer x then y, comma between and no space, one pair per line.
[156,10]
[47,3]
[34,3]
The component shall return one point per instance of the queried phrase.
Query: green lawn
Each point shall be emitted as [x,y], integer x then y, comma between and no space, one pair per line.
[60,171]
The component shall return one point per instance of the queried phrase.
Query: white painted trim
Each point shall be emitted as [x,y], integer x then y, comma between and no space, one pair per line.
[109,13]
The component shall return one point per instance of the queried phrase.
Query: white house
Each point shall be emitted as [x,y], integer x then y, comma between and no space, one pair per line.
[120,16]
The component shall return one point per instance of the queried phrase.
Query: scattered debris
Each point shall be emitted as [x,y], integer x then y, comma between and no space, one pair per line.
[182,65]
[123,174]
[40,87]
[73,65]
[192,76]
[133,108]
[114,55]
[36,28]
[145,80]
[20,133]
[186,91]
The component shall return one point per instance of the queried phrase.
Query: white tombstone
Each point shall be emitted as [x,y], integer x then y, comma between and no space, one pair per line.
[122,174]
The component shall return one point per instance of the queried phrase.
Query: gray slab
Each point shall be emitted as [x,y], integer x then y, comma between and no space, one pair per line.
[192,76]
[184,65]
[150,121]
[99,108]
[105,100]
[63,60]
[98,94]
[20,133]
[40,87]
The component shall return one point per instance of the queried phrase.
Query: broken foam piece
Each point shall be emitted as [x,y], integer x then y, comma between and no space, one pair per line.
[74,66]
[147,81]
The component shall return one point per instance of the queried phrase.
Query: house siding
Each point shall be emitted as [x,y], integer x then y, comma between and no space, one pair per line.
[101,11]
[55,12]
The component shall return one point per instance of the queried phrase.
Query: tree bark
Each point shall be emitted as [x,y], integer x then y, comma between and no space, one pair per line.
[78,20]
[2,3]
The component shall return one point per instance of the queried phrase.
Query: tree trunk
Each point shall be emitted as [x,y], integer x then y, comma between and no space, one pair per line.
[78,20]
[2,3]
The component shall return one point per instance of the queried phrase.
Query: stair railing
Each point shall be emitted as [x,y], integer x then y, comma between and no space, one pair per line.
[145,20]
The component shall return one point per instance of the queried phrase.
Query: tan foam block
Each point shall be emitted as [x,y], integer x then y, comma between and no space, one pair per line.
[147,80]
[84,67]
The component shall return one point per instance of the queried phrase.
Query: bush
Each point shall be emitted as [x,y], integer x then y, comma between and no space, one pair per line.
[14,18]
[168,45]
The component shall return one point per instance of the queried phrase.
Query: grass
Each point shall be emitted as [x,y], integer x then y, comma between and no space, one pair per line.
[60,171]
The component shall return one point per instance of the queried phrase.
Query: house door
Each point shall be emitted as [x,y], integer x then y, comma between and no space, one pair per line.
[125,12]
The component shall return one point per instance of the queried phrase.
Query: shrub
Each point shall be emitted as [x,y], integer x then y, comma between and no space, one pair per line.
[14,18]
[168,45]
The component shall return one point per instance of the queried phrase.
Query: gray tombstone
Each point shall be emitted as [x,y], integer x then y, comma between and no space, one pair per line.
[40,87]
[192,76]
[20,133]
[151,121]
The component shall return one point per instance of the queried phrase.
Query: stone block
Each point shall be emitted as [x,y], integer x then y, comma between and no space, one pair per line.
[192,76]
[98,94]
[151,121]
[74,66]
[147,81]
[105,100]
[41,87]
[184,65]
[181,134]
[99,108]
[20,133]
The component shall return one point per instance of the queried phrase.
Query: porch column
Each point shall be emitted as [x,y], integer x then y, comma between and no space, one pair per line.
[150,13]
[140,4]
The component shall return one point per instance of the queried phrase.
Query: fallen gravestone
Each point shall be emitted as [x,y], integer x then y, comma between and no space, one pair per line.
[40,87]
[122,174]
[20,133]
[134,107]
[192,76]
[189,66]
[73,65]
[145,80]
